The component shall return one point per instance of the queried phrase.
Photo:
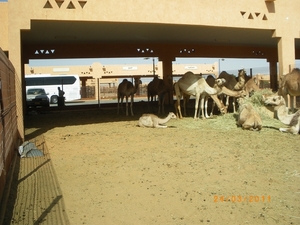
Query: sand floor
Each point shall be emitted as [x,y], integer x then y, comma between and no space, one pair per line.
[100,168]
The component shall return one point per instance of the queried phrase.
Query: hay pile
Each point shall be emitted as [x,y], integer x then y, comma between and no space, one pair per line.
[266,112]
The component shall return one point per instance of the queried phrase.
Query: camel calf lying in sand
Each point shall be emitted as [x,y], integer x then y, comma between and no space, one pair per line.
[291,120]
[151,120]
[249,119]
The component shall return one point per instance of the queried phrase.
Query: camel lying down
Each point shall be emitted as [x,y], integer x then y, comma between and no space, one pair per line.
[248,118]
[290,120]
[151,120]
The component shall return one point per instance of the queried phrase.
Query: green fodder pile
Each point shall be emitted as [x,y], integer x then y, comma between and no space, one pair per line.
[266,112]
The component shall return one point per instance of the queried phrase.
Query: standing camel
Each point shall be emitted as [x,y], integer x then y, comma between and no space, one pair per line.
[157,87]
[211,82]
[192,84]
[290,84]
[126,89]
[234,84]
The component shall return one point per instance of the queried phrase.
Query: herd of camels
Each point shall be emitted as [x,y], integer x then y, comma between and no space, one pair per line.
[225,86]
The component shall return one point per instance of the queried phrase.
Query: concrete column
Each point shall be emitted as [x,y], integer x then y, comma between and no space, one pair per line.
[286,54]
[273,74]
[167,70]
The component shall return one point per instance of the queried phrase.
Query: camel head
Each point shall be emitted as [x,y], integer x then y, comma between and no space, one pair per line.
[242,73]
[137,81]
[172,115]
[220,82]
[274,100]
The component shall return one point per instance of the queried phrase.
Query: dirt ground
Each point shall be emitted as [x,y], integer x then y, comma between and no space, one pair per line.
[100,168]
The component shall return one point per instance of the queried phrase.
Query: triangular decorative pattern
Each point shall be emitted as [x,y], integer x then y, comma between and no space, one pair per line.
[45,52]
[59,3]
[265,17]
[65,4]
[82,3]
[255,15]
[48,5]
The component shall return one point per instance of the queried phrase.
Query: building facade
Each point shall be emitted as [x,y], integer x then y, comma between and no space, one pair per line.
[55,29]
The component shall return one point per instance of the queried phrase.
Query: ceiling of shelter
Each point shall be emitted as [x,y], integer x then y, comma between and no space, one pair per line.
[60,32]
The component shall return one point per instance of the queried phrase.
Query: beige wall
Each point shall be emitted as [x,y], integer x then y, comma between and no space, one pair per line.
[4,26]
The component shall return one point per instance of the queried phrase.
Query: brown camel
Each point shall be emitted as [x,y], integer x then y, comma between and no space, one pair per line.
[233,83]
[211,81]
[157,87]
[290,84]
[192,84]
[248,118]
[291,120]
[126,89]
[151,120]
[251,85]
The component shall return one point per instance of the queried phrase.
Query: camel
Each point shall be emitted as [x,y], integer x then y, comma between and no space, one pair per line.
[192,84]
[126,89]
[233,83]
[210,81]
[290,84]
[291,120]
[248,118]
[251,85]
[157,87]
[151,120]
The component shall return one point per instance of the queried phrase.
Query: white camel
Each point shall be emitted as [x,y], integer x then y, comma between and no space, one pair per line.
[151,120]
[192,84]
[291,120]
[126,89]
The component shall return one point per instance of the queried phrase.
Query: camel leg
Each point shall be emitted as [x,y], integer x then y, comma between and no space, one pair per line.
[212,108]
[206,106]
[159,102]
[233,104]
[126,105]
[131,105]
[202,99]
[294,129]
[118,105]
[121,104]
[196,105]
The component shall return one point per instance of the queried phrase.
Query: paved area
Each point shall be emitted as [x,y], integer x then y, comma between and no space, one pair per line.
[35,196]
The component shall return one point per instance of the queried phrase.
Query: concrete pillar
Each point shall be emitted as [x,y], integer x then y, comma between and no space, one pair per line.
[286,54]
[167,70]
[273,74]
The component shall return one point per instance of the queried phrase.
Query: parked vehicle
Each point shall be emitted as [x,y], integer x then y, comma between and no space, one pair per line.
[70,84]
[37,97]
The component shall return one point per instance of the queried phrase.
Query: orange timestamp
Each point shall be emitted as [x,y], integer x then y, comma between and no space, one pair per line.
[239,198]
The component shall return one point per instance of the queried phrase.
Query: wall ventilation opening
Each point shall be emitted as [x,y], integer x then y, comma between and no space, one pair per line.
[59,3]
[242,13]
[71,6]
[82,3]
[265,17]
[48,5]
[250,16]
[257,14]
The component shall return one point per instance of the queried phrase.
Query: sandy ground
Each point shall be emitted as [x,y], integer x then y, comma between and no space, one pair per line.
[106,170]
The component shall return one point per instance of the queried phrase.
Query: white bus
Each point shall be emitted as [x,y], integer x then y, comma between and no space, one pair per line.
[70,84]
